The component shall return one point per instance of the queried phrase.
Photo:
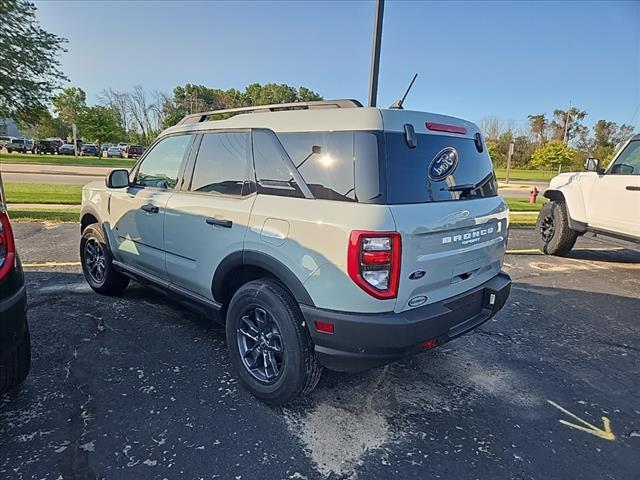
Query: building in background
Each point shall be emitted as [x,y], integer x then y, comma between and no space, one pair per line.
[8,128]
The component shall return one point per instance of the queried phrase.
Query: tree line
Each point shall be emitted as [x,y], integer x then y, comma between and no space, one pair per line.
[558,141]
[138,117]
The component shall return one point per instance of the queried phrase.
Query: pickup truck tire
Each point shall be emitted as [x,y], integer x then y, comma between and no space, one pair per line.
[274,332]
[97,265]
[554,235]
[15,363]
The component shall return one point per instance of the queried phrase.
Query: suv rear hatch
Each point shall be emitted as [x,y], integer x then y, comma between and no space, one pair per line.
[443,196]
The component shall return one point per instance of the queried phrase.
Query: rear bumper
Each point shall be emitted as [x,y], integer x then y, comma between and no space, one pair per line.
[13,319]
[361,341]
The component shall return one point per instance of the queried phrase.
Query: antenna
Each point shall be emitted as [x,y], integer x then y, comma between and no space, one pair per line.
[398,103]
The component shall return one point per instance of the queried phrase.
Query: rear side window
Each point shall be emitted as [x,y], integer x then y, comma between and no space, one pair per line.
[160,167]
[329,170]
[435,170]
[222,164]
[272,171]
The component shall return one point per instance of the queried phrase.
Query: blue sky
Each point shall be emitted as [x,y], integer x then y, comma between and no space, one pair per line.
[474,59]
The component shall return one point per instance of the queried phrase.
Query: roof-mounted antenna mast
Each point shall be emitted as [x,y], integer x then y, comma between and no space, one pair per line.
[398,103]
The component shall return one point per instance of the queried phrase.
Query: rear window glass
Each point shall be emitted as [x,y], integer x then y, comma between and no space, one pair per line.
[414,175]
[329,170]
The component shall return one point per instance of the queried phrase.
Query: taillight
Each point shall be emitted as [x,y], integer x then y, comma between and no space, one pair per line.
[373,262]
[7,246]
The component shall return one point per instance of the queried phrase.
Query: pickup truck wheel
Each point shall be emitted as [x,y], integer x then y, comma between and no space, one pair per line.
[97,266]
[269,344]
[15,363]
[554,235]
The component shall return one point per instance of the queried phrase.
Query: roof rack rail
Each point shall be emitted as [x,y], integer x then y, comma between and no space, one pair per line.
[202,116]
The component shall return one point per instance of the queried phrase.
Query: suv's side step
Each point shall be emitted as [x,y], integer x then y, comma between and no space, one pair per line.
[144,278]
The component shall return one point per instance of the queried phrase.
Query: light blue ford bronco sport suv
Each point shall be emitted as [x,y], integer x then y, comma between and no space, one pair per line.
[322,234]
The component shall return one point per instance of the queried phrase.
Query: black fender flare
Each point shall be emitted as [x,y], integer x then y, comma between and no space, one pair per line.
[558,196]
[258,259]
[555,195]
[87,209]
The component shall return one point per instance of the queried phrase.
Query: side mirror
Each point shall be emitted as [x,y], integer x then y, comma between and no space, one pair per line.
[117,179]
[592,164]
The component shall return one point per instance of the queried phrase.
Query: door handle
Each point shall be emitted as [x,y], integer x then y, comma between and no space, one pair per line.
[150,208]
[633,188]
[220,222]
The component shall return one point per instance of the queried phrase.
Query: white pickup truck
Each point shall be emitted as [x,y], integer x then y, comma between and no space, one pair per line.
[602,201]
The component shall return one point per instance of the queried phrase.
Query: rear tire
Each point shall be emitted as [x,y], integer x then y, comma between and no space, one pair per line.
[16,363]
[554,235]
[97,265]
[281,338]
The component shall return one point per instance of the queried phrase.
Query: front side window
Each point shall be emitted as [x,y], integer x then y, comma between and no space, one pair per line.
[628,162]
[325,161]
[161,166]
[272,171]
[222,164]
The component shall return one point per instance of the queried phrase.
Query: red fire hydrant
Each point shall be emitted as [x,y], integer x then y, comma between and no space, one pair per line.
[534,194]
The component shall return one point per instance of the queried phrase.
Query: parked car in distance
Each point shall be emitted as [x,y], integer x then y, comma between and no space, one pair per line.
[66,149]
[22,145]
[122,145]
[114,152]
[15,342]
[90,150]
[133,151]
[601,201]
[49,145]
[105,146]
[4,141]
[279,225]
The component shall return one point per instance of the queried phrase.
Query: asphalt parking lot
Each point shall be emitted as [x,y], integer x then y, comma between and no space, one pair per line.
[137,387]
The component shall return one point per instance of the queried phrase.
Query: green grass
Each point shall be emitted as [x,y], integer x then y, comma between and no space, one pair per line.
[43,193]
[67,215]
[526,222]
[523,205]
[65,160]
[518,174]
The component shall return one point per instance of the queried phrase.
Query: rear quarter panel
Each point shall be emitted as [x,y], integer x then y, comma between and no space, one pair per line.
[311,238]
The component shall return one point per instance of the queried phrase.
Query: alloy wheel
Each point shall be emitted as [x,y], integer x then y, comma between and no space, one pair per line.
[260,344]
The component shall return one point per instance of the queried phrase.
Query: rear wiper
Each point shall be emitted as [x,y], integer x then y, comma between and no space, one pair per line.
[469,187]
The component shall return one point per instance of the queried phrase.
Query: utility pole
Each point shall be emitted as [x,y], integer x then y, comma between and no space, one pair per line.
[566,124]
[511,148]
[375,54]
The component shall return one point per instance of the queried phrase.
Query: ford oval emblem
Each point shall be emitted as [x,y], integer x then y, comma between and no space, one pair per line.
[417,275]
[443,164]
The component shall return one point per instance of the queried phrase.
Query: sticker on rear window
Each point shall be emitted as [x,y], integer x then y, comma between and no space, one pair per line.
[443,164]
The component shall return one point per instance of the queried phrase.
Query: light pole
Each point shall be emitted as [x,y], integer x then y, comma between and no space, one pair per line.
[375,53]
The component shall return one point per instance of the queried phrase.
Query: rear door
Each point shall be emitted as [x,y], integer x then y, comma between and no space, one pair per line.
[137,212]
[207,220]
[443,197]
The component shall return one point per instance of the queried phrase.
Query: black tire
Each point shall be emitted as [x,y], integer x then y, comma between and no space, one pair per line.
[554,235]
[9,150]
[299,370]
[15,363]
[109,281]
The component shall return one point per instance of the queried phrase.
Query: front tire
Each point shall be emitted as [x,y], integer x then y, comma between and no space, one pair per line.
[269,343]
[554,235]
[97,265]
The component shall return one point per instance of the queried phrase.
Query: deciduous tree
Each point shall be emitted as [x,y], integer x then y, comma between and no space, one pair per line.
[29,62]
[553,154]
